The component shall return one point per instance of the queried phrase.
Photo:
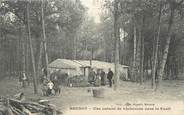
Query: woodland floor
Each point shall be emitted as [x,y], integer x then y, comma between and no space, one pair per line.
[170,94]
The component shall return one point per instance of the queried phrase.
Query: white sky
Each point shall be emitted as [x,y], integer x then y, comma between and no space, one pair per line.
[94,7]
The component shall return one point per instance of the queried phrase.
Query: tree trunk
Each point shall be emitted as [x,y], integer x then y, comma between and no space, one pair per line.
[23,52]
[147,67]
[19,51]
[117,37]
[137,75]
[40,60]
[142,52]
[27,55]
[91,57]
[156,48]
[165,53]
[44,38]
[75,47]
[135,50]
[31,49]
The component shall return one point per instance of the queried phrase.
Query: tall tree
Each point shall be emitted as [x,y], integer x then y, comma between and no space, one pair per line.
[31,49]
[117,39]
[156,47]
[135,49]
[40,60]
[142,50]
[23,41]
[44,37]
[173,5]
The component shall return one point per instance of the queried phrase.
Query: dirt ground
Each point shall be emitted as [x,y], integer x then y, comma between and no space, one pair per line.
[75,100]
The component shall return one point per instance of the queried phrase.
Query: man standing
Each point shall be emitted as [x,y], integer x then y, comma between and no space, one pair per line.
[98,79]
[102,74]
[24,79]
[50,86]
[109,77]
[92,76]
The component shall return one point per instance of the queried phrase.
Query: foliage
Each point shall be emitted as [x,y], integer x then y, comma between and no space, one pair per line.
[62,17]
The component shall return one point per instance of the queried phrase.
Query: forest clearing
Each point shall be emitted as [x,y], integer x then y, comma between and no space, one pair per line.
[171,96]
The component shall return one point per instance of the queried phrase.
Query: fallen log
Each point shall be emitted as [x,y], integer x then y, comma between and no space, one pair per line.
[16,111]
[4,110]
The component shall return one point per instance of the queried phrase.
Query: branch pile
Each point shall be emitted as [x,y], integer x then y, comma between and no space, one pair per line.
[11,106]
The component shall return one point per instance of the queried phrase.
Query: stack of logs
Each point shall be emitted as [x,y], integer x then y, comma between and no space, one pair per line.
[11,106]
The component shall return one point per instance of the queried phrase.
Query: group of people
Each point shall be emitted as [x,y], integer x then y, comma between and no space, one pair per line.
[99,78]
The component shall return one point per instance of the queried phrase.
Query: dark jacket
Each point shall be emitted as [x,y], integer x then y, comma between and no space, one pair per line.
[110,75]
[92,76]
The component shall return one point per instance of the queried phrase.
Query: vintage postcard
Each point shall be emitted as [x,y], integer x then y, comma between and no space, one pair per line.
[91,57]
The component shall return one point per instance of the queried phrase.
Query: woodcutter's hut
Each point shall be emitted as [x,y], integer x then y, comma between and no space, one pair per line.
[96,65]
[68,72]
[66,66]
[81,67]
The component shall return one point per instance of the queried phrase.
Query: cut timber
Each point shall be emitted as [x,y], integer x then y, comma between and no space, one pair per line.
[18,107]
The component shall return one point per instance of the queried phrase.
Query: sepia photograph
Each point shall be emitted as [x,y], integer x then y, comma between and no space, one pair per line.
[91,57]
